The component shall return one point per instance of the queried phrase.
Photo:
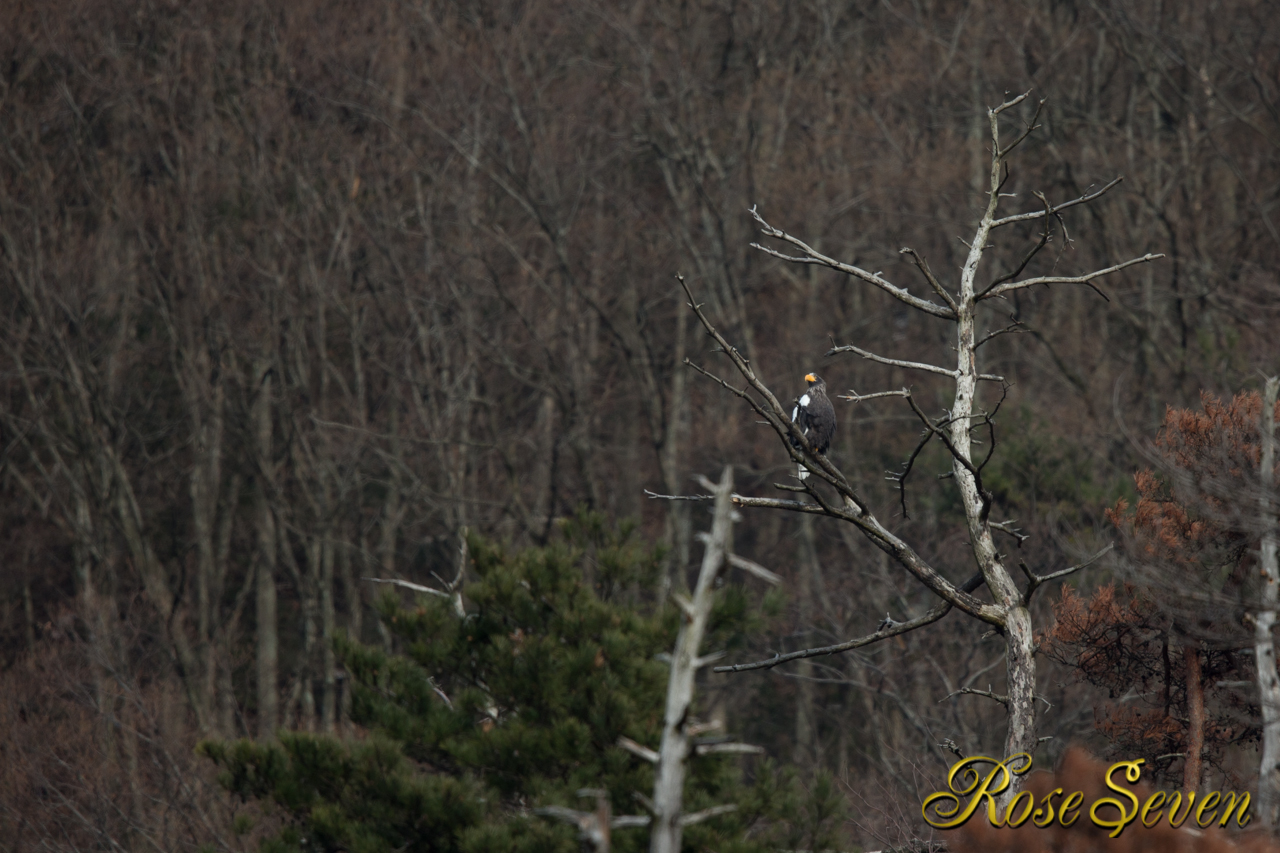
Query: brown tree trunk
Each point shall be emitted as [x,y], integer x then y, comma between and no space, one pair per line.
[268,644]
[1264,621]
[329,664]
[1195,713]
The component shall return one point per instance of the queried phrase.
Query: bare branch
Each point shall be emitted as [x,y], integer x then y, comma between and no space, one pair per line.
[704,660]
[1084,199]
[937,429]
[901,479]
[778,503]
[923,266]
[686,606]
[812,256]
[754,568]
[416,587]
[1065,279]
[707,814]
[963,691]
[1045,234]
[892,629]
[989,420]
[1007,527]
[567,815]
[1031,128]
[855,397]
[728,749]
[629,820]
[1012,102]
[912,365]
[1016,327]
[1034,581]
[656,496]
[638,749]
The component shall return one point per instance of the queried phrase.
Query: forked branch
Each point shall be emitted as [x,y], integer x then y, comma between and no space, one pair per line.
[813,256]
[1008,286]
[1034,581]
[923,266]
[1035,214]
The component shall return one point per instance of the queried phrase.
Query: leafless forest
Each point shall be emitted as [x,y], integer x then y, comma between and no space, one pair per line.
[293,294]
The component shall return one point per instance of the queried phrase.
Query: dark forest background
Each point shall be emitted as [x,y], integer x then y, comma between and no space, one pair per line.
[294,294]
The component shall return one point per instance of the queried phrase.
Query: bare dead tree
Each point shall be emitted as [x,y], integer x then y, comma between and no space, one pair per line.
[1007,613]
[679,727]
[1265,620]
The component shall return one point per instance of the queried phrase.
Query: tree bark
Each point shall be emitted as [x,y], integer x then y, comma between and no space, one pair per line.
[1019,639]
[268,644]
[668,786]
[329,663]
[1264,622]
[1195,712]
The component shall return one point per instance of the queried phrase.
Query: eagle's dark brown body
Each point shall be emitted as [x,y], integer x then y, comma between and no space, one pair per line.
[813,413]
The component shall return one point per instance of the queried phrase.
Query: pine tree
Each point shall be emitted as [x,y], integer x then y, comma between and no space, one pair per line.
[480,720]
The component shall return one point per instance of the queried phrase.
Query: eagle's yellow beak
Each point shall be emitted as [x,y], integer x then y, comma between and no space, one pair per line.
[809,377]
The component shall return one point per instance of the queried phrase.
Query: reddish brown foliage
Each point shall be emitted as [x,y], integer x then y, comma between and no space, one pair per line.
[1199,512]
[1122,643]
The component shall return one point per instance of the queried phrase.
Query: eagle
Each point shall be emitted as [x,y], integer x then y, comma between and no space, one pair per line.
[813,413]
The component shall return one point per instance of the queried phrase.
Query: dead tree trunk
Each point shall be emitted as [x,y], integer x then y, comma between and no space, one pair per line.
[679,728]
[1264,622]
[1007,612]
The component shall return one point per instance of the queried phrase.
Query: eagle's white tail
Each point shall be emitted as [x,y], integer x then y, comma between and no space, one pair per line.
[802,472]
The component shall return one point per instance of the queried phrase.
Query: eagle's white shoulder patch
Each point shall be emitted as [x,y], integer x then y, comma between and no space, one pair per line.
[804,401]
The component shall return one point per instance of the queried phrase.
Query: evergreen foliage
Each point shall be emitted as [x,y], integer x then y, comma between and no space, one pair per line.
[480,720]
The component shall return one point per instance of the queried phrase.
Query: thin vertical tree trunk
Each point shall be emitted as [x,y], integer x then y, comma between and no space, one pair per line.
[268,644]
[329,664]
[29,613]
[803,753]
[1264,622]
[678,531]
[1195,711]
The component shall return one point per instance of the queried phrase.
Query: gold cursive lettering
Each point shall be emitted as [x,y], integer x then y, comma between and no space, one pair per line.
[1044,815]
[976,786]
[1173,807]
[1070,804]
[1155,801]
[1015,822]
[1132,772]
[1242,815]
[968,787]
[1211,799]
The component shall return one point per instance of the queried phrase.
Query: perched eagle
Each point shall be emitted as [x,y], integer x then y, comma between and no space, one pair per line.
[813,414]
